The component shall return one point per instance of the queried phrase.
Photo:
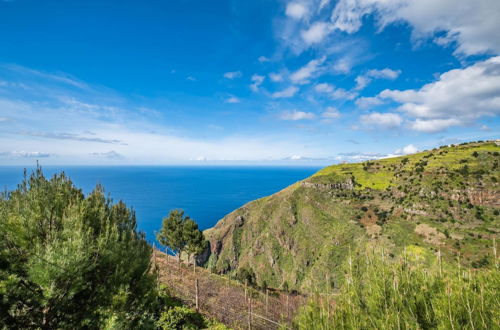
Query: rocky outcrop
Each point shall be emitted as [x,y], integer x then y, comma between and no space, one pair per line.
[476,196]
[344,185]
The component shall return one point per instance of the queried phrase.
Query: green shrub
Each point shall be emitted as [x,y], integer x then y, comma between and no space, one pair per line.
[180,317]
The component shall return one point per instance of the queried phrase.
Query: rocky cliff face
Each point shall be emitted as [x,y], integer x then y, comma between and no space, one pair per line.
[446,198]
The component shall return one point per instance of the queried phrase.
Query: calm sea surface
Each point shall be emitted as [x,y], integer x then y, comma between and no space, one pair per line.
[205,193]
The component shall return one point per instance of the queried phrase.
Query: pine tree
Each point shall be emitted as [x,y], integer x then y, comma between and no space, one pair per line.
[68,261]
[171,233]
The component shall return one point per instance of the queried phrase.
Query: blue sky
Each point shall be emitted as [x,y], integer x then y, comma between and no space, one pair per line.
[244,82]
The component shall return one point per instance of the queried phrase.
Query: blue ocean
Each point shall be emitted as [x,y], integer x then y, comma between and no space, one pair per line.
[205,193]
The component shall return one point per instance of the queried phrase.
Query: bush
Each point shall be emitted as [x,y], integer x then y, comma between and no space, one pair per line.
[180,317]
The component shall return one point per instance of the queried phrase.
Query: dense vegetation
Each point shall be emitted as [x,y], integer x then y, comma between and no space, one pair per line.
[445,199]
[412,291]
[70,261]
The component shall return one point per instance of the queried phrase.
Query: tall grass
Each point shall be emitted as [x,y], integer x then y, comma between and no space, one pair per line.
[380,292]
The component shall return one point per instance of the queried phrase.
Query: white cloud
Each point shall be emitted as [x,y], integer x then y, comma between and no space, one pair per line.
[109,154]
[296,10]
[457,97]
[232,75]
[257,81]
[190,78]
[368,102]
[331,113]
[384,120]
[302,75]
[343,65]
[335,93]
[340,93]
[433,125]
[383,74]
[473,24]
[323,3]
[409,149]
[324,88]
[24,154]
[364,80]
[287,92]
[276,77]
[315,33]
[296,115]
[263,59]
[232,99]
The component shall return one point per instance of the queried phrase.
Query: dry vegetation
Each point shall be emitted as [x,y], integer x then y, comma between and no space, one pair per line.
[225,299]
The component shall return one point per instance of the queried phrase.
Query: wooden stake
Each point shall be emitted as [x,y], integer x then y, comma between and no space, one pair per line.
[246,289]
[495,253]
[328,297]
[197,295]
[287,306]
[249,313]
[267,300]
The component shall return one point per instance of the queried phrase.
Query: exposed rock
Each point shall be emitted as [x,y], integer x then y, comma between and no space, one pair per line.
[239,221]
[345,185]
[202,258]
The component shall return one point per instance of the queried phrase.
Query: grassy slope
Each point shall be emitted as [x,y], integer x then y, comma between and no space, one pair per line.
[443,199]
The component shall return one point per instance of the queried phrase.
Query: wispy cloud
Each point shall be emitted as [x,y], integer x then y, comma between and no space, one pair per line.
[364,80]
[69,136]
[232,99]
[257,80]
[109,154]
[233,75]
[302,75]
[285,93]
[24,154]
[296,115]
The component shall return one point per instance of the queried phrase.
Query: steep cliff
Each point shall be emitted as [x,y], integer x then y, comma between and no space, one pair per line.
[445,199]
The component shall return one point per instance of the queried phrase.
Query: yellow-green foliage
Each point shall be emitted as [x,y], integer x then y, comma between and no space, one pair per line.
[380,174]
[380,292]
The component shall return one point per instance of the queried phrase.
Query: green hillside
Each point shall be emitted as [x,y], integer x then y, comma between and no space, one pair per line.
[445,200]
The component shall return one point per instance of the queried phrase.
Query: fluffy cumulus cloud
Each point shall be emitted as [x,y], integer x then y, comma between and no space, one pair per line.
[472,24]
[381,120]
[285,93]
[316,32]
[296,10]
[407,150]
[458,97]
[296,115]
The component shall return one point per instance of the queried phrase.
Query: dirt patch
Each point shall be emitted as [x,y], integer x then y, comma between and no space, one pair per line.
[430,234]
